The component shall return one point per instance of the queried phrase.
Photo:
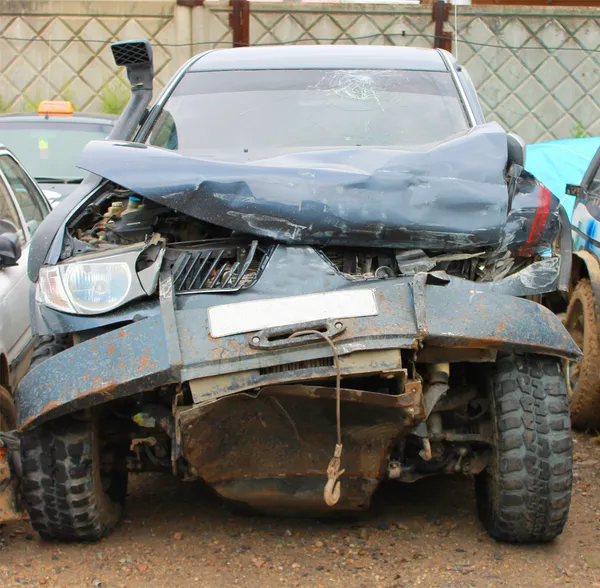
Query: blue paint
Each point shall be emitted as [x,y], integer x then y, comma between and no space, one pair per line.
[561,162]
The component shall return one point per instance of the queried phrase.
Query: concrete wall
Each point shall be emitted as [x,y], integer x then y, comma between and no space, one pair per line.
[52,48]
[537,69]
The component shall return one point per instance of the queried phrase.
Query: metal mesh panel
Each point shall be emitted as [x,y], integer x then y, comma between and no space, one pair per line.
[130,53]
[216,268]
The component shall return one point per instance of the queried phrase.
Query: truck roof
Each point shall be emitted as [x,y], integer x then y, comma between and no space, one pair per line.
[320,57]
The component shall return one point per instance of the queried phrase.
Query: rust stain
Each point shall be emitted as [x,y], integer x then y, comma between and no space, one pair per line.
[87,376]
[145,362]
[483,343]
[27,423]
[110,349]
[50,406]
[104,390]
[235,346]
[384,304]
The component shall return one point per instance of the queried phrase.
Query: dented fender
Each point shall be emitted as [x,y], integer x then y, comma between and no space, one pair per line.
[114,365]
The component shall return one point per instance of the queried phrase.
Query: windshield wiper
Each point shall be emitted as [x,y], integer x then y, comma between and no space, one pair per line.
[50,179]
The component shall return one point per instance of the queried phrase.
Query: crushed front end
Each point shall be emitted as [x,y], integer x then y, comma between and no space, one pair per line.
[336,292]
[221,359]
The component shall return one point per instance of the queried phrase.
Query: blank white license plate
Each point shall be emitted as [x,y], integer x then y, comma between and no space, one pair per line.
[255,315]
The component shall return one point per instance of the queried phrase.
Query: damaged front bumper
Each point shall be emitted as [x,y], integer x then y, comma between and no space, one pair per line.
[262,391]
[176,346]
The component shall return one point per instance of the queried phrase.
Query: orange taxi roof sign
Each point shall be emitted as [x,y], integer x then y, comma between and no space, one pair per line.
[55,107]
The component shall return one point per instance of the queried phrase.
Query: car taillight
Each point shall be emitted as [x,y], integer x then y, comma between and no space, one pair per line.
[539,222]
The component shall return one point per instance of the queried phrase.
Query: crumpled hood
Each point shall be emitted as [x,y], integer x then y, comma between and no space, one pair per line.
[446,196]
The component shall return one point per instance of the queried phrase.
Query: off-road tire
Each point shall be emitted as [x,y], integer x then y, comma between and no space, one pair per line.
[524,494]
[46,346]
[62,482]
[585,396]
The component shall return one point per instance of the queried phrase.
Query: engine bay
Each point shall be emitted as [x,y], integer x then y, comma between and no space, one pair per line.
[207,256]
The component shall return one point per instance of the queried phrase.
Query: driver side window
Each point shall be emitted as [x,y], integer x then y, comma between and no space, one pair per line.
[9,218]
[164,133]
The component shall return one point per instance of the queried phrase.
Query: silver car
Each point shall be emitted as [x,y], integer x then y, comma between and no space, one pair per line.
[22,208]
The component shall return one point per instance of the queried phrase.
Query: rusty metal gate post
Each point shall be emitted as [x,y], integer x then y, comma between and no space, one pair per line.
[440,13]
[239,21]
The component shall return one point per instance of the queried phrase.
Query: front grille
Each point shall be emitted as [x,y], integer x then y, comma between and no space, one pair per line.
[210,268]
[298,365]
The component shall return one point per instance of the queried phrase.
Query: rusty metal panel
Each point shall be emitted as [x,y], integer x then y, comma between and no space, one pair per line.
[274,449]
[362,362]
[479,320]
[404,401]
[177,347]
[119,363]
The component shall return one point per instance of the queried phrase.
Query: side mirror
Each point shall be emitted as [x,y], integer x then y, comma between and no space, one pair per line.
[516,149]
[10,249]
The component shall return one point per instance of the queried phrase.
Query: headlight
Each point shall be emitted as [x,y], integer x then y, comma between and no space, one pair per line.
[97,287]
[92,285]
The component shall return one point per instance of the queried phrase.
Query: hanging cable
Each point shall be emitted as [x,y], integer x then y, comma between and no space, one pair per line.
[223,43]
[333,488]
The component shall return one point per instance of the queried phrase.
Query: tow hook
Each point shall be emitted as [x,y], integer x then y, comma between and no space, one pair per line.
[462,453]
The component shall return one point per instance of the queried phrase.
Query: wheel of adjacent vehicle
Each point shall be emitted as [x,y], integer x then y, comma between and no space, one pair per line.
[524,494]
[584,377]
[8,412]
[73,484]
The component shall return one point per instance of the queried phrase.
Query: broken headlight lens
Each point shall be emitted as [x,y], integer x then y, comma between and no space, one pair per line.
[96,284]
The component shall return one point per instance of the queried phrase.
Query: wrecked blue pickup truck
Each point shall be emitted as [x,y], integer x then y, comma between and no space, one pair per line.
[305,270]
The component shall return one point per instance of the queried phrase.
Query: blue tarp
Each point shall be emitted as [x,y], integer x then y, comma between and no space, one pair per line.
[561,162]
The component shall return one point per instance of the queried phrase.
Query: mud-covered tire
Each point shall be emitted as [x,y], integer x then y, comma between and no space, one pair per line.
[47,346]
[68,497]
[8,412]
[584,328]
[524,494]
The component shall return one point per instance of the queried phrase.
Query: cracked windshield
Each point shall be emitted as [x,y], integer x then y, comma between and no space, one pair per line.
[248,115]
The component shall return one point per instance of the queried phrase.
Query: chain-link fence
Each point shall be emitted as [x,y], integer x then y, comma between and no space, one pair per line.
[537,69]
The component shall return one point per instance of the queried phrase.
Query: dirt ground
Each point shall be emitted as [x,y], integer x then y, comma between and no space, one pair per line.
[427,534]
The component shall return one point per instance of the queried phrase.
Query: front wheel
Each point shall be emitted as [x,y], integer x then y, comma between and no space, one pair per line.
[524,494]
[74,485]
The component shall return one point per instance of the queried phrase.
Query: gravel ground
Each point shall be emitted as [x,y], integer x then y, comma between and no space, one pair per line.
[426,534]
